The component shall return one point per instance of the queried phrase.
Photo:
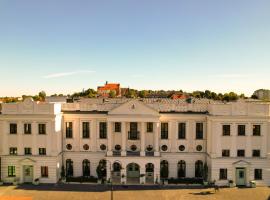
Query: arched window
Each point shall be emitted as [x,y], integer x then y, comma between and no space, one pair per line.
[181,169]
[164,169]
[198,169]
[149,167]
[86,167]
[69,167]
[116,167]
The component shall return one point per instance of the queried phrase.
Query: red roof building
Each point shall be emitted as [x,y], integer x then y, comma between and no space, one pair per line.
[105,90]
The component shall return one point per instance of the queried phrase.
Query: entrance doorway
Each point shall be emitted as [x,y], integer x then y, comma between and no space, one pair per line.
[133,173]
[240,176]
[149,176]
[27,173]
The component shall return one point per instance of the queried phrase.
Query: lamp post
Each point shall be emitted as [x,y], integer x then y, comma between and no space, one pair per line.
[111,172]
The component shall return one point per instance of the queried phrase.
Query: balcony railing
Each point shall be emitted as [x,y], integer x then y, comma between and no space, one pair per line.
[133,153]
[149,153]
[133,135]
[116,153]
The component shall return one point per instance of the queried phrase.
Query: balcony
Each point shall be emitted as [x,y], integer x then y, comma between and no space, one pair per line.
[149,153]
[133,153]
[116,153]
[133,135]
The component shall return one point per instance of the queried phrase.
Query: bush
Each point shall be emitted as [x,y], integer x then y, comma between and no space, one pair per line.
[82,179]
[185,181]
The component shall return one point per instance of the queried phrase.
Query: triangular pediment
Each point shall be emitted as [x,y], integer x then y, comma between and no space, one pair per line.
[241,163]
[134,107]
[26,161]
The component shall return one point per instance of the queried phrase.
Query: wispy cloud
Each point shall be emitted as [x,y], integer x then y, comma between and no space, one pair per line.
[230,75]
[63,74]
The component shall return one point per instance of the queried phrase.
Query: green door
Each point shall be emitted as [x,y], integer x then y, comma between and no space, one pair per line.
[240,176]
[28,174]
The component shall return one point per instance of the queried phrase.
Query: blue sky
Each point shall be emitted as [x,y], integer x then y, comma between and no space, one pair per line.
[64,46]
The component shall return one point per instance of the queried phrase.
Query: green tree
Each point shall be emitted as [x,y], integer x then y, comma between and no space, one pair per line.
[42,95]
[112,94]
[142,93]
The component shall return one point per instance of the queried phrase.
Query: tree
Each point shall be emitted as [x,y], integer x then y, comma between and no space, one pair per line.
[42,95]
[142,93]
[112,94]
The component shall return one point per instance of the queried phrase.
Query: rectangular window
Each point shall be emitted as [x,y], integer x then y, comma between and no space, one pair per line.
[241,153]
[13,150]
[164,131]
[102,130]
[223,174]
[11,171]
[256,153]
[117,127]
[42,151]
[42,129]
[44,171]
[27,151]
[258,174]
[69,130]
[150,127]
[241,130]
[226,130]
[85,129]
[13,128]
[199,131]
[225,153]
[256,130]
[182,131]
[27,129]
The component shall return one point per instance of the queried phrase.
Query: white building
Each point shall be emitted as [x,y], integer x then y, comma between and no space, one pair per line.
[136,141]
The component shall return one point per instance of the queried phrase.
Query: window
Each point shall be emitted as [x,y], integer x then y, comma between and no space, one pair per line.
[164,130]
[27,151]
[150,128]
[117,127]
[149,148]
[86,167]
[69,146]
[258,174]
[199,147]
[86,147]
[27,128]
[199,131]
[117,147]
[69,168]
[256,153]
[198,169]
[102,130]
[226,130]
[181,169]
[181,148]
[256,130]
[69,130]
[133,134]
[164,148]
[241,153]
[241,130]
[41,129]
[164,169]
[11,171]
[182,131]
[13,128]
[85,130]
[44,171]
[223,174]
[13,150]
[103,147]
[225,153]
[42,151]
[133,147]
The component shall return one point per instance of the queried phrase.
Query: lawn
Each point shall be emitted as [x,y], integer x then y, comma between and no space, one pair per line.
[80,192]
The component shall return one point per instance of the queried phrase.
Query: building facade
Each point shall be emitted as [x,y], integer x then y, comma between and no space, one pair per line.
[136,141]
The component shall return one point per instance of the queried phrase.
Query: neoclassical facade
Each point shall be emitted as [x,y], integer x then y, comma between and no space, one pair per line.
[133,141]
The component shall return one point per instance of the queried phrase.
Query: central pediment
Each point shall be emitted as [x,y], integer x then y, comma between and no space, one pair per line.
[134,107]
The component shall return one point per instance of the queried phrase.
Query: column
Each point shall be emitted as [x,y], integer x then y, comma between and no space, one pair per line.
[123,176]
[34,136]
[264,130]
[108,170]
[142,139]
[110,138]
[248,141]
[233,150]
[142,174]
[156,138]
[20,138]
[157,174]
[124,140]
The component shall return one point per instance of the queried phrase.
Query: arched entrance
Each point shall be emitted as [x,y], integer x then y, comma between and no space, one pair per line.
[149,173]
[116,172]
[133,173]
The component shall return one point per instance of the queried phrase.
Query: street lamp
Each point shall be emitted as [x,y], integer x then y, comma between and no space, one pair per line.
[111,172]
